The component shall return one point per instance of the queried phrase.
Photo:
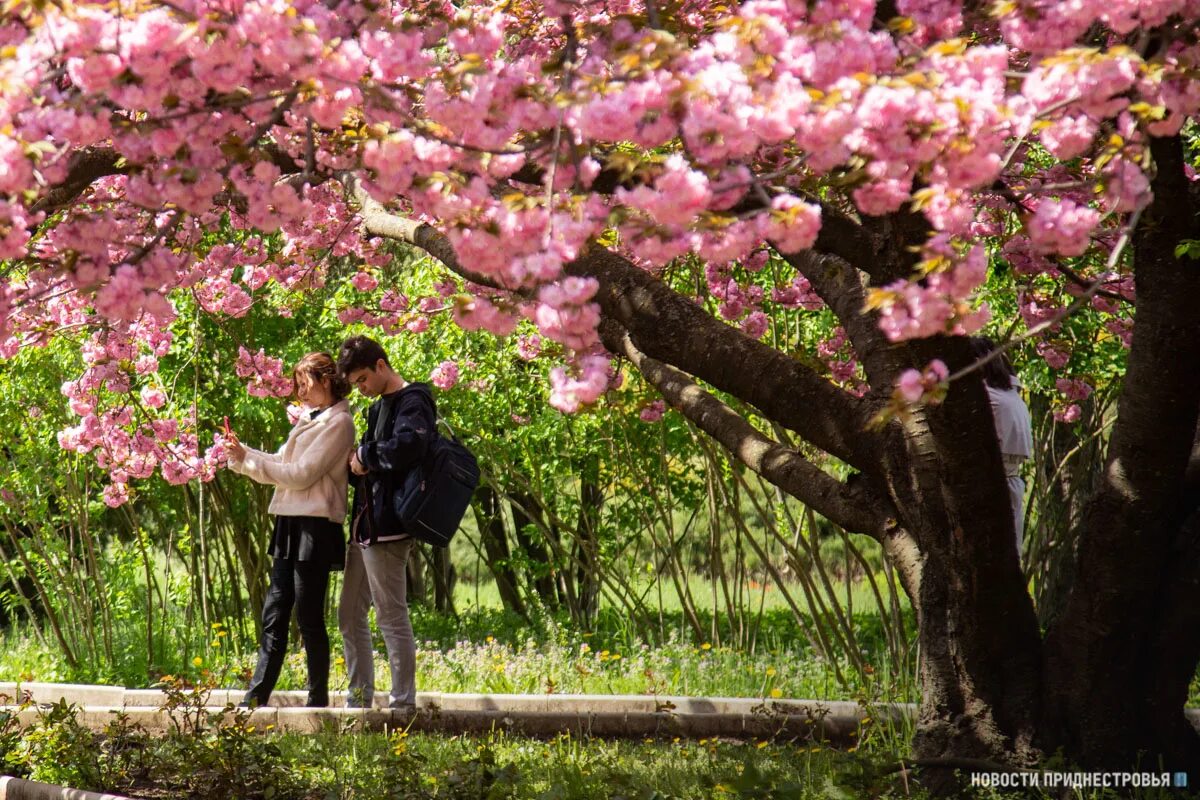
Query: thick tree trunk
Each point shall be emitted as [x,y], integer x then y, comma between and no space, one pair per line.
[979,643]
[1121,657]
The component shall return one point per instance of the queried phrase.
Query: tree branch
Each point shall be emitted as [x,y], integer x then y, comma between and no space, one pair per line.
[851,507]
[839,285]
[378,221]
[671,328]
[84,168]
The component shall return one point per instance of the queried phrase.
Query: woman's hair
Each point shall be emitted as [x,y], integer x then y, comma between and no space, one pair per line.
[318,366]
[997,373]
[360,352]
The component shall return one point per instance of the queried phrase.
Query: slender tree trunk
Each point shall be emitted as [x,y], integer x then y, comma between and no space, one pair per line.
[1067,468]
[490,521]
[444,578]
[587,578]
[542,580]
[417,593]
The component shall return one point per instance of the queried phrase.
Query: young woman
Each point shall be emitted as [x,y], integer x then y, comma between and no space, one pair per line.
[309,474]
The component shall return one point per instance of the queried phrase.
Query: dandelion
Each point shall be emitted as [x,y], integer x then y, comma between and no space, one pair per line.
[706,646]
[776,692]
[770,672]
[761,745]
[197,661]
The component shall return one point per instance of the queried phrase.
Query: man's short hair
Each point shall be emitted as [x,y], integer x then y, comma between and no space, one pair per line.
[360,352]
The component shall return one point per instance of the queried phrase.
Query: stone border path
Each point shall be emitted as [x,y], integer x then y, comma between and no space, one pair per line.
[616,716]
[19,789]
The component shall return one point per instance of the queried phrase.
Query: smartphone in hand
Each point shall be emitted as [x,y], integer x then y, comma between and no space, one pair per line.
[228,432]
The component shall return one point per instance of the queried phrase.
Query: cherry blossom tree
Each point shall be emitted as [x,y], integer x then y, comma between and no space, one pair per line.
[620,172]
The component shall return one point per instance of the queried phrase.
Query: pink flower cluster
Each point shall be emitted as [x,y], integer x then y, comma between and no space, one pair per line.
[909,310]
[265,373]
[529,347]
[720,134]
[568,394]
[913,385]
[838,355]
[1062,226]
[566,314]
[444,375]
[653,411]
[480,313]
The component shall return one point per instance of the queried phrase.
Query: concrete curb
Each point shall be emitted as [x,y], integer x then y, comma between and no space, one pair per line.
[18,789]
[819,726]
[617,716]
[117,697]
[621,716]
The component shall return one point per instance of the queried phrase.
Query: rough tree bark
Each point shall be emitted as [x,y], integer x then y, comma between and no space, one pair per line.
[1119,660]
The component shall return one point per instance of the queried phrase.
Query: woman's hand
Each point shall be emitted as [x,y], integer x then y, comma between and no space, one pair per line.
[234,447]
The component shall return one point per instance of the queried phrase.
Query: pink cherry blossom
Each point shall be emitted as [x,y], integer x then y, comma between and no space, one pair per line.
[1062,226]
[653,411]
[364,282]
[445,375]
[152,397]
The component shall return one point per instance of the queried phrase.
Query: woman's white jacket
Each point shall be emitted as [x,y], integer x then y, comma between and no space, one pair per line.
[310,471]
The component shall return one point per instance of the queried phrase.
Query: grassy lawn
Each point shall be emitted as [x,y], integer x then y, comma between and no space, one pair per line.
[486,649]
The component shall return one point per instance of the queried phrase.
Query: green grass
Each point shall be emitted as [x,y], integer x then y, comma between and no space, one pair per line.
[486,649]
[224,757]
[563,768]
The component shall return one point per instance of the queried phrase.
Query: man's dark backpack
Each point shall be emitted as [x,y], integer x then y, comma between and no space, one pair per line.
[432,508]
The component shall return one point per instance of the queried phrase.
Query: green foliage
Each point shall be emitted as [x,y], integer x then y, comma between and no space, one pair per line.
[1188,248]
[57,749]
[10,741]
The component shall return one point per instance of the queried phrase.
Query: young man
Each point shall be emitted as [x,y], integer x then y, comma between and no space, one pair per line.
[400,425]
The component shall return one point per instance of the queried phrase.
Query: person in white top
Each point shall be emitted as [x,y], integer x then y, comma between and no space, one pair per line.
[1014,430]
[309,474]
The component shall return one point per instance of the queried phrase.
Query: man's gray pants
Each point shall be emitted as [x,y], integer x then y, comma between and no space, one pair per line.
[377,575]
